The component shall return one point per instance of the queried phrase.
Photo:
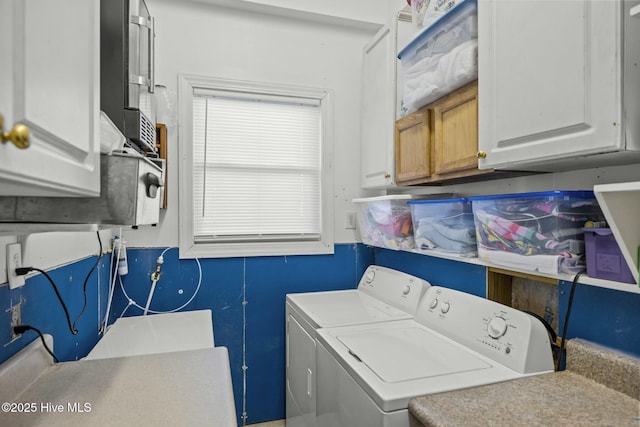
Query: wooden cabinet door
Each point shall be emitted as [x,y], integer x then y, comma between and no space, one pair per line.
[455,139]
[413,146]
[550,81]
[50,81]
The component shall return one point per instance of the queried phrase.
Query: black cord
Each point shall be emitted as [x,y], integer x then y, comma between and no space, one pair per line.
[566,319]
[552,334]
[20,329]
[24,270]
[86,280]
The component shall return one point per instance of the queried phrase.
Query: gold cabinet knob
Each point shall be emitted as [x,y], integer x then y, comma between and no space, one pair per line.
[387,175]
[19,135]
[482,154]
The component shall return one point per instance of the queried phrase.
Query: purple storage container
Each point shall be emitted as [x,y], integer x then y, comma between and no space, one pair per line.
[604,258]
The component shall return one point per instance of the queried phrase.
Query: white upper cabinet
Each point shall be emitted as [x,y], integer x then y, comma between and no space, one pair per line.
[381,101]
[50,81]
[559,84]
[378,110]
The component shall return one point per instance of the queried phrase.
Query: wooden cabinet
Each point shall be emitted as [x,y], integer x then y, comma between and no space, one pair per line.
[455,122]
[49,81]
[413,147]
[439,143]
[559,84]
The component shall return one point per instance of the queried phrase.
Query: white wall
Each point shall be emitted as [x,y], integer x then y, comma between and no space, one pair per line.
[209,40]
[47,250]
[350,11]
[311,44]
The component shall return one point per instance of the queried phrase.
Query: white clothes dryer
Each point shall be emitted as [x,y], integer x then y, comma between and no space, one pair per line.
[382,295]
[368,373]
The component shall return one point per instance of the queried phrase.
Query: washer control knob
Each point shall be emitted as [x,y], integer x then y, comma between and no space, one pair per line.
[445,307]
[371,274]
[433,303]
[497,327]
[406,290]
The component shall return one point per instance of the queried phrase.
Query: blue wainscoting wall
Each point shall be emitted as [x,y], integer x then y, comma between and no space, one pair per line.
[604,316]
[470,278]
[260,282]
[41,309]
[247,300]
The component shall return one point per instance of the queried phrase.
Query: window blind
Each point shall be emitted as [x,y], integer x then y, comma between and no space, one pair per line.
[257,164]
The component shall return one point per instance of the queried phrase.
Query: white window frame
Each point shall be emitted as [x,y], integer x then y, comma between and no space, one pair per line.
[189,248]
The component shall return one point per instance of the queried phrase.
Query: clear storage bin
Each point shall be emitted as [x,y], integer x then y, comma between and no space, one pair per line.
[535,231]
[444,225]
[385,222]
[441,58]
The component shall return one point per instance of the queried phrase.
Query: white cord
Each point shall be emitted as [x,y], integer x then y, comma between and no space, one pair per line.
[112,287]
[133,302]
[125,309]
[153,289]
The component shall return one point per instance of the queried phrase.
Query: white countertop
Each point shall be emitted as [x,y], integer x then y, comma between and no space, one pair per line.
[170,389]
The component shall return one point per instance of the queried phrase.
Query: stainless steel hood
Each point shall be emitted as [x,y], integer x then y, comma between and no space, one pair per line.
[130,190]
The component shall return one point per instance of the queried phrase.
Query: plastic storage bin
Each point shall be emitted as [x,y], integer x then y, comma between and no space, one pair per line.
[385,221]
[441,58]
[604,258]
[444,225]
[535,231]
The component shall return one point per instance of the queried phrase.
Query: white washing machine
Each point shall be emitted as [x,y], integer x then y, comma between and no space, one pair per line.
[368,373]
[156,333]
[383,295]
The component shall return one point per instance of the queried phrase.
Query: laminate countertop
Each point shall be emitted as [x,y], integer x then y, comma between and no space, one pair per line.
[600,387]
[186,388]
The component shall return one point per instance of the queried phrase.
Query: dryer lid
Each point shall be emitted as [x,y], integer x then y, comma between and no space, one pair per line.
[410,353]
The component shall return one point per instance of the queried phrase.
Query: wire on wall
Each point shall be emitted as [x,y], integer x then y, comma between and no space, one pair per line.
[244,342]
[134,303]
[115,255]
[24,270]
[562,353]
[20,329]
[86,280]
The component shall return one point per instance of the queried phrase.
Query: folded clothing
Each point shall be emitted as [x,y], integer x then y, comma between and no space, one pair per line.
[455,235]
[438,74]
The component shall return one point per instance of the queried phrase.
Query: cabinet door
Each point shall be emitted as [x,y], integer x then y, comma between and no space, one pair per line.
[413,146]
[49,81]
[378,111]
[549,80]
[455,119]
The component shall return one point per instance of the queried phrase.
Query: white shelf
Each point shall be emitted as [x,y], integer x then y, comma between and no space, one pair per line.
[620,204]
[453,257]
[584,279]
[635,11]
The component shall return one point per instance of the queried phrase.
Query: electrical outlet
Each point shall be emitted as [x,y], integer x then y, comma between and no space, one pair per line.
[14,260]
[350,220]
[16,319]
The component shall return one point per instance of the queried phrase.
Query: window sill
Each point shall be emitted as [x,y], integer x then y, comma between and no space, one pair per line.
[242,250]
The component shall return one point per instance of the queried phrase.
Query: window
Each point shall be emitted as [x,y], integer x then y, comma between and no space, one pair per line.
[255,175]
